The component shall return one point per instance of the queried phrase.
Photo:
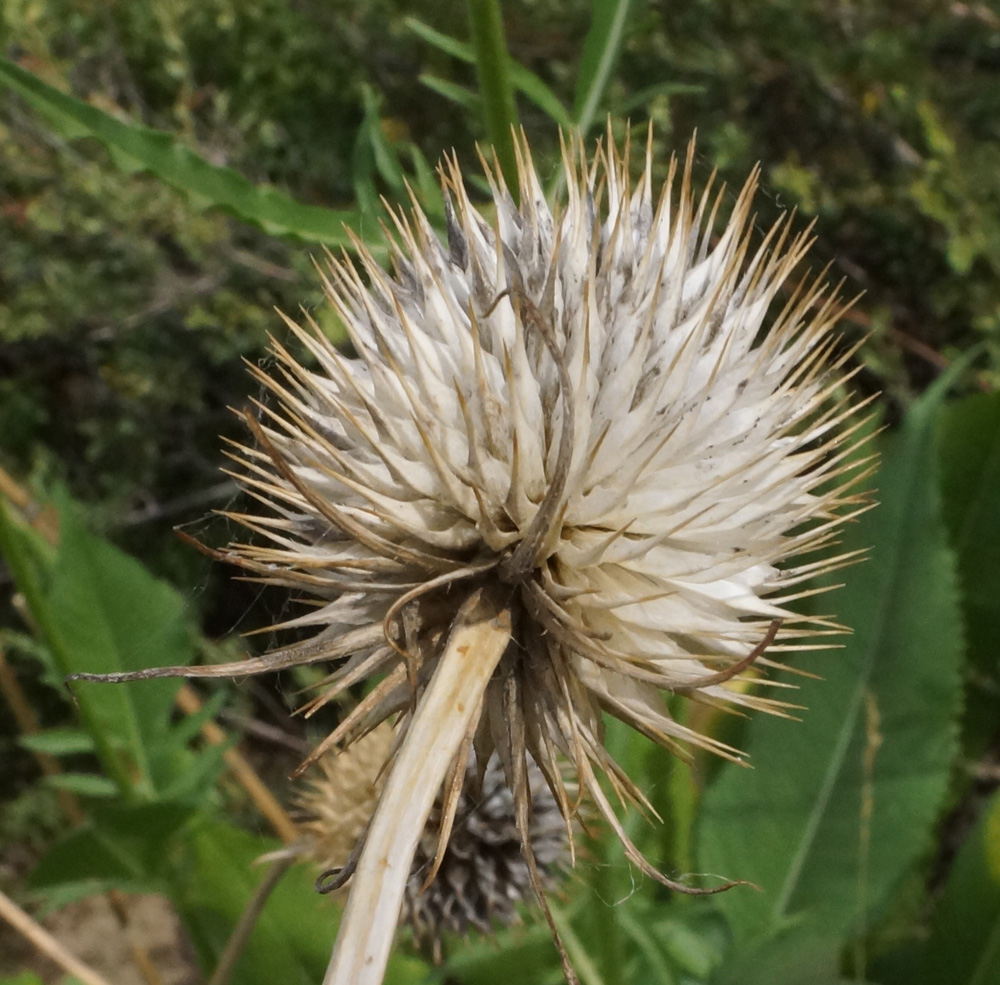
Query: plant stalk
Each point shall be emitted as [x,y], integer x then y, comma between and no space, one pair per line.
[448,708]
[492,69]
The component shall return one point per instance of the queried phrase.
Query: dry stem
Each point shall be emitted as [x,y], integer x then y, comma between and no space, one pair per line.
[46,944]
[447,710]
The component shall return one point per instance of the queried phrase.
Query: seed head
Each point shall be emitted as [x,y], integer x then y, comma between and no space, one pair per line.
[579,462]
[338,798]
[482,877]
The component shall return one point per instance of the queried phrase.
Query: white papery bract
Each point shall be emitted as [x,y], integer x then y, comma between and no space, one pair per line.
[617,418]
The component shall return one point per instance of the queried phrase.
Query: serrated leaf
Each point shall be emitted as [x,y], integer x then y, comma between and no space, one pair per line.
[108,614]
[969,452]
[191,725]
[137,148]
[99,611]
[964,943]
[841,804]
[121,847]
[200,775]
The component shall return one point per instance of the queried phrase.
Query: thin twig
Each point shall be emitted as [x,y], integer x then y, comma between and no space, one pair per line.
[140,956]
[262,730]
[916,346]
[248,920]
[189,702]
[46,944]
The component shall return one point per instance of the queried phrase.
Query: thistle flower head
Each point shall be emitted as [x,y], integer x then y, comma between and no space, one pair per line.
[576,465]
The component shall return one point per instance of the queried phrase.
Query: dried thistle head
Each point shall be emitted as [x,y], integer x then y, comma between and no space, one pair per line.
[580,462]
[337,799]
[482,876]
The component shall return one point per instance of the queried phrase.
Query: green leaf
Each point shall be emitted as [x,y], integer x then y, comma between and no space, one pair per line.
[190,726]
[645,944]
[121,847]
[30,647]
[84,784]
[137,148]
[208,869]
[192,775]
[489,44]
[384,156]
[537,92]
[99,611]
[692,945]
[425,183]
[601,48]
[29,559]
[523,79]
[644,97]
[802,954]
[107,614]
[443,42]
[969,452]
[292,939]
[469,101]
[59,741]
[577,949]
[528,956]
[964,943]
[841,804]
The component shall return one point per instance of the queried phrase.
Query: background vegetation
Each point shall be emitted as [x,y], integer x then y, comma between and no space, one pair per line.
[167,171]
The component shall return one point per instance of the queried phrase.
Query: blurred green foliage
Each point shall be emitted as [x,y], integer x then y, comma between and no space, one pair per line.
[124,312]
[880,119]
[126,307]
